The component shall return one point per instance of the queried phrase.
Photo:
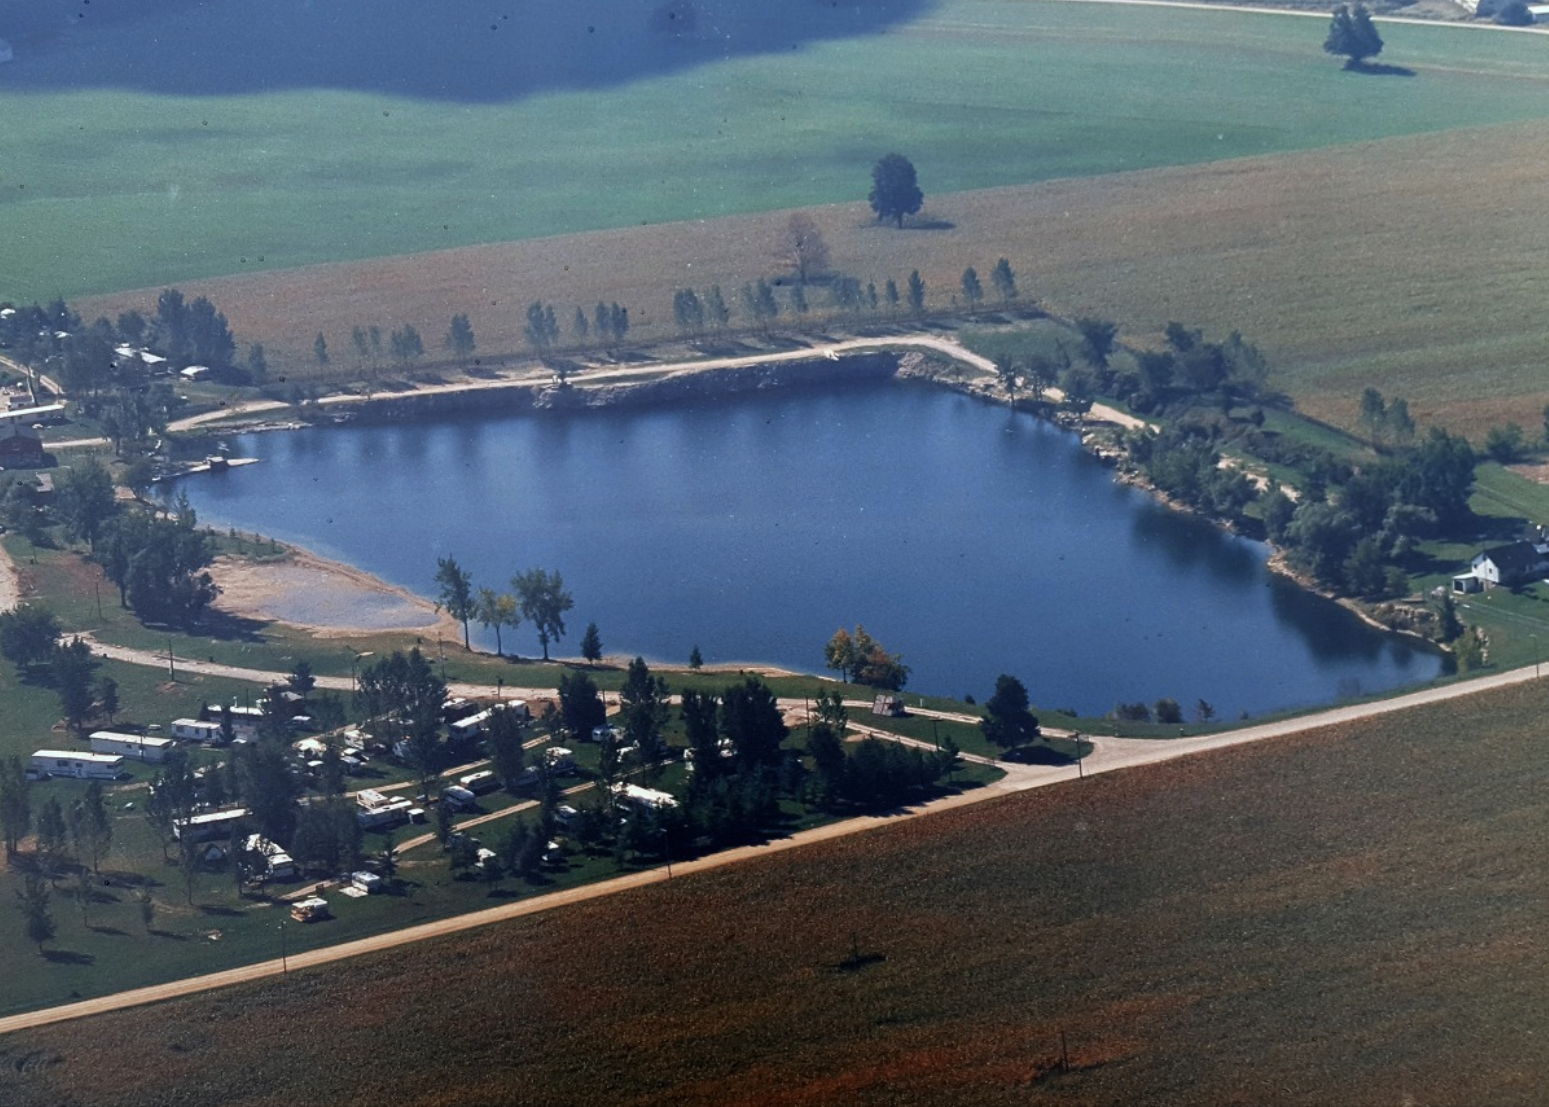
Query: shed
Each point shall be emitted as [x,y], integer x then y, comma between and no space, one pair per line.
[889,706]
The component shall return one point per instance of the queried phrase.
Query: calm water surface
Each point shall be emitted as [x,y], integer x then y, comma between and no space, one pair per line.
[969,539]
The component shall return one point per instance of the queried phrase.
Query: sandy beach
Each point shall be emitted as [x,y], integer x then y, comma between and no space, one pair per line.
[10,586]
[327,598]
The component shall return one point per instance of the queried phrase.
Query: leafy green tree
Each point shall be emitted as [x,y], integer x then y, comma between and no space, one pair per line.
[459,337]
[699,711]
[750,718]
[580,705]
[544,601]
[1007,721]
[1505,444]
[715,308]
[53,834]
[257,363]
[28,635]
[84,501]
[497,610]
[15,805]
[580,327]
[1006,372]
[890,294]
[798,301]
[1005,281]
[72,667]
[300,679]
[1471,650]
[591,644]
[1099,336]
[895,189]
[362,345]
[1351,35]
[504,732]
[406,344]
[643,703]
[91,826]
[840,654]
[801,248]
[320,349]
[973,290]
[688,311]
[456,594]
[32,902]
[916,294]
[696,660]
[542,329]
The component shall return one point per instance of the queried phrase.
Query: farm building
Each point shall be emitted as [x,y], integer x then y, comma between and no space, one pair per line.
[1508,566]
[81,766]
[134,746]
[21,446]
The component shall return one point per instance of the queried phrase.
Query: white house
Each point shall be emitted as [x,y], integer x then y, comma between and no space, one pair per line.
[1509,565]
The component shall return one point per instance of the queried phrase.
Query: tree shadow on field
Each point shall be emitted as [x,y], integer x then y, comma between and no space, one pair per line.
[458,50]
[68,957]
[1379,69]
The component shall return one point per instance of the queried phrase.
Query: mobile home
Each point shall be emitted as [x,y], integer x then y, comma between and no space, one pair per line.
[81,766]
[134,746]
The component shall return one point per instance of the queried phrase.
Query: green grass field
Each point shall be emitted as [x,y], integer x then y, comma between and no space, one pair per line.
[102,191]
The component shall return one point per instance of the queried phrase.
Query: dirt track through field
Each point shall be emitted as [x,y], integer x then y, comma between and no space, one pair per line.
[1109,755]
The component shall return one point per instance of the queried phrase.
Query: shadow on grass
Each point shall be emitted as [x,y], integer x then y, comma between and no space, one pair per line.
[1378,69]
[1038,755]
[68,957]
[109,930]
[221,910]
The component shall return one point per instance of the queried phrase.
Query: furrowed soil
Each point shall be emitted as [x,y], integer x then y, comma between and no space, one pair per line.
[1350,916]
[1412,265]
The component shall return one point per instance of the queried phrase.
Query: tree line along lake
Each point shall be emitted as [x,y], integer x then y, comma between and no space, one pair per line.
[970,539]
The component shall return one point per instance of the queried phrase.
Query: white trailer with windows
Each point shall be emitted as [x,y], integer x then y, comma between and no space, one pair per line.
[80,766]
[137,747]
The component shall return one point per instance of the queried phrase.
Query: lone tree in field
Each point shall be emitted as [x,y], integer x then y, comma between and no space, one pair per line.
[895,191]
[801,248]
[456,595]
[1352,36]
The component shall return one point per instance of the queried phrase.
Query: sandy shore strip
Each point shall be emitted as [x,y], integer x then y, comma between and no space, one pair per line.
[327,598]
[10,583]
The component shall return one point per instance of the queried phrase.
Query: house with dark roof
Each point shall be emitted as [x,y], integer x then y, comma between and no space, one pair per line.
[21,446]
[1510,565]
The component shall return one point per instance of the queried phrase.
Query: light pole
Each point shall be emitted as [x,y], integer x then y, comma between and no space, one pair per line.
[1534,637]
[171,663]
[1080,762]
[355,659]
[284,960]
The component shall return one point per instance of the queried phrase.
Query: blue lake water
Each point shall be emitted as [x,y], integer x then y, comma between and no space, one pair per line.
[972,540]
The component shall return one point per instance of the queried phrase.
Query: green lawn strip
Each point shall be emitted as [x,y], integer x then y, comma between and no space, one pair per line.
[1501,493]
[240,183]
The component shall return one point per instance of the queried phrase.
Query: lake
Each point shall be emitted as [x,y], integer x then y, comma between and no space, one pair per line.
[970,539]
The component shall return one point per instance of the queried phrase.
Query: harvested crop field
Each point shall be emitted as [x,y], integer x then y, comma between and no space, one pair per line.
[1362,265]
[1353,916]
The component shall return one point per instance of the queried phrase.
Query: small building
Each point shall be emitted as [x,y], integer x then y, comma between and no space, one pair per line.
[134,746]
[367,882]
[80,766]
[21,445]
[311,909]
[278,865]
[890,706]
[195,373]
